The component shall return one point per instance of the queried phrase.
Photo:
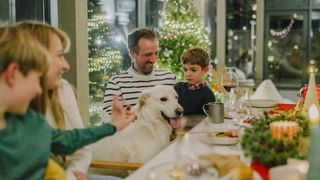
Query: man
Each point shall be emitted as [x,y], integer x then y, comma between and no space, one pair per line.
[143,48]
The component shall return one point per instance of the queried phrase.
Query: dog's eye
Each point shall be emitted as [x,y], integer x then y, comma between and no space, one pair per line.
[163,99]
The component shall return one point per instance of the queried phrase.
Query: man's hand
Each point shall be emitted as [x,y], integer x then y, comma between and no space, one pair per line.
[121,117]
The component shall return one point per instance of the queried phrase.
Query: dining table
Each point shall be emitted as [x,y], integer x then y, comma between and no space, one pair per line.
[188,147]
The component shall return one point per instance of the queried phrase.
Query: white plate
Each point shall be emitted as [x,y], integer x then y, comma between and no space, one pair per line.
[165,171]
[263,103]
[211,139]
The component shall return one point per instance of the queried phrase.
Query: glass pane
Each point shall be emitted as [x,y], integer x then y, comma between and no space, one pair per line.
[153,13]
[315,39]
[4,11]
[284,51]
[241,36]
[18,10]
[315,3]
[109,23]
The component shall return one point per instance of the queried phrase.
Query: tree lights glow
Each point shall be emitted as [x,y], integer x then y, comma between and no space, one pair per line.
[180,29]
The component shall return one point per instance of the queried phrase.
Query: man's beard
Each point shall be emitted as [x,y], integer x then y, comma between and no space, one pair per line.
[146,68]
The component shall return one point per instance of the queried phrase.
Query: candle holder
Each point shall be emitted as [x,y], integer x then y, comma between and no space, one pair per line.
[284,129]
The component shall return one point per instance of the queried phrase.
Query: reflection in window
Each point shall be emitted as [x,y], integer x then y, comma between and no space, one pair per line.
[109,23]
[241,35]
[315,39]
[284,49]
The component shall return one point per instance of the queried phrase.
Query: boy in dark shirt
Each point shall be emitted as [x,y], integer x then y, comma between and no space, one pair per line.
[194,93]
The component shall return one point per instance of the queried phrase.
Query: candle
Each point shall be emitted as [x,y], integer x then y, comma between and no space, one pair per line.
[313,114]
[314,148]
[280,129]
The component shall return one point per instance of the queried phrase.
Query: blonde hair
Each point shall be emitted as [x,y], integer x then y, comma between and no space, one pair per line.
[44,33]
[18,46]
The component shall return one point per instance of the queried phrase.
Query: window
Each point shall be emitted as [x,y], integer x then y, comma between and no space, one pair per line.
[241,35]
[109,23]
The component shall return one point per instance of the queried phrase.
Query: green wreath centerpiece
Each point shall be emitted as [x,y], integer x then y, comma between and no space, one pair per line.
[258,143]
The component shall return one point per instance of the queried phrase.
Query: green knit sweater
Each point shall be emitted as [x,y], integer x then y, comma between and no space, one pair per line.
[26,142]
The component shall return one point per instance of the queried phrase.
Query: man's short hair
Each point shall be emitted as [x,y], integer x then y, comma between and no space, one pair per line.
[196,55]
[136,35]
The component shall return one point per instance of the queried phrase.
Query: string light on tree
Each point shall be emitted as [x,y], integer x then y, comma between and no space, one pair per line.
[104,59]
[180,29]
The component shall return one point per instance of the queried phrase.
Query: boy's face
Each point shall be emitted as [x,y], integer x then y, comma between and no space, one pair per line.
[24,89]
[58,65]
[194,74]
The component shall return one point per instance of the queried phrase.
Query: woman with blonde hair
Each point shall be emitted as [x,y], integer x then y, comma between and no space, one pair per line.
[59,104]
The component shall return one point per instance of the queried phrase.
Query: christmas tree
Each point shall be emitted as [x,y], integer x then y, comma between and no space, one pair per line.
[105,60]
[180,30]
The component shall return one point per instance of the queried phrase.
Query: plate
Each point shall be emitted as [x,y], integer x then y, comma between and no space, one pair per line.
[263,103]
[212,139]
[166,171]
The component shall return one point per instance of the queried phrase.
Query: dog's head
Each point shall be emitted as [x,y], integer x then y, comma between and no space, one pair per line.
[160,102]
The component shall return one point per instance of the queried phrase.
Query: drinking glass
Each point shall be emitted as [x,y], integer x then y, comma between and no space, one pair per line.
[229,81]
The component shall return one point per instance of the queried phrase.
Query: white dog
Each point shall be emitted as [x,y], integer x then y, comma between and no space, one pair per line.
[157,108]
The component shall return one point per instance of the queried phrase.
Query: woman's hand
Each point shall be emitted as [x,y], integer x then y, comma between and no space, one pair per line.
[80,175]
[121,116]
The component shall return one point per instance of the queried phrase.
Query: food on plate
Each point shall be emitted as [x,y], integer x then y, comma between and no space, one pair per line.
[248,120]
[285,109]
[230,133]
[229,165]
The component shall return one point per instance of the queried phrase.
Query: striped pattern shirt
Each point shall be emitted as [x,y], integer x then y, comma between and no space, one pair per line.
[130,84]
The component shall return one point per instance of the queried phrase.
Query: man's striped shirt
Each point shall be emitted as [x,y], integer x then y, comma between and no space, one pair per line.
[130,84]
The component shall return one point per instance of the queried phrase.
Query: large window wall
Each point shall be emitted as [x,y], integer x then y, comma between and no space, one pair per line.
[291,41]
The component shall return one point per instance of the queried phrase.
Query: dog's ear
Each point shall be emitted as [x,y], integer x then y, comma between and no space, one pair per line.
[143,100]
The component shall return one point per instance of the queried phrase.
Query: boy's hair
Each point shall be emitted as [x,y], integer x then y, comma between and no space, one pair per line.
[43,33]
[195,55]
[135,36]
[20,47]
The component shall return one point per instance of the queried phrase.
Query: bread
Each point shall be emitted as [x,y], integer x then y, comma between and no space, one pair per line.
[229,164]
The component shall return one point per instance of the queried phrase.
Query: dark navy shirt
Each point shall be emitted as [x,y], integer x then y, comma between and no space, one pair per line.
[192,100]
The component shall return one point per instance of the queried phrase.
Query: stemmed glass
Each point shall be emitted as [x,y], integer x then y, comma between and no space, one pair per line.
[229,81]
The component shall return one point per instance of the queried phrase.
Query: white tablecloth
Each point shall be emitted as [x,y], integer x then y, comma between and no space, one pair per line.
[192,146]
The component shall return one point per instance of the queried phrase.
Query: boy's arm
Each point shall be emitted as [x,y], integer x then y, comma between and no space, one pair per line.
[67,142]
[112,88]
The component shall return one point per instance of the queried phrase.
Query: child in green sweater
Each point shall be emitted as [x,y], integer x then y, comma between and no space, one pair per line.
[26,139]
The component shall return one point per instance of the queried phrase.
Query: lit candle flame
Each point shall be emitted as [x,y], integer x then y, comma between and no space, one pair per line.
[313,114]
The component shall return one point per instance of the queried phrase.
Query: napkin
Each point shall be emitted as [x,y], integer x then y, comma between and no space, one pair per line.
[267,90]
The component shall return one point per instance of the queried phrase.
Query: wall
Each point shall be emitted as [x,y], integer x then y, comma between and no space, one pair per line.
[73,20]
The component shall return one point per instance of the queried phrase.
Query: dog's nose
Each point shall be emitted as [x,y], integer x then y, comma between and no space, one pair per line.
[179,112]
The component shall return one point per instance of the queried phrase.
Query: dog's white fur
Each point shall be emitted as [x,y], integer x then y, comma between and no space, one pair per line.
[149,134]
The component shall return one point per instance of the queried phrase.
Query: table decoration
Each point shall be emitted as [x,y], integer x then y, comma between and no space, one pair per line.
[257,141]
[285,109]
[282,129]
[311,95]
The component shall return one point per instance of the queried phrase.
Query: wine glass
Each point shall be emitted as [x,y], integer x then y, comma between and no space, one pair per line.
[229,81]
